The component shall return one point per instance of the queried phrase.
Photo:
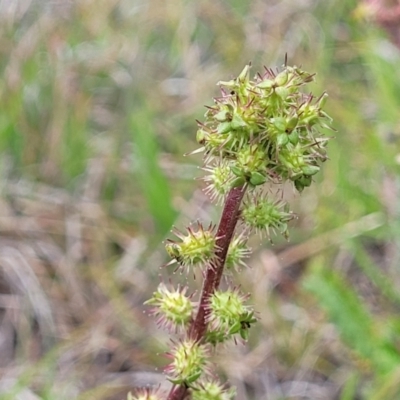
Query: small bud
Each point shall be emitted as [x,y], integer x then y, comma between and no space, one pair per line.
[279,123]
[237,253]
[291,123]
[310,170]
[282,78]
[238,122]
[249,160]
[201,136]
[223,116]
[224,127]
[282,92]
[282,139]
[196,246]
[296,161]
[212,390]
[266,84]
[236,171]
[173,250]
[171,307]
[219,181]
[229,314]
[189,362]
[264,215]
[302,182]
[294,137]
[256,178]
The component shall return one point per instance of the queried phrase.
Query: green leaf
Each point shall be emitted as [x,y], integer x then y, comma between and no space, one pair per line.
[193,377]
[257,179]
[279,123]
[377,277]
[238,182]
[282,78]
[266,84]
[223,116]
[282,92]
[152,182]
[310,170]
[237,171]
[282,139]
[235,328]
[352,319]
[224,127]
[349,389]
[294,137]
[238,122]
[291,123]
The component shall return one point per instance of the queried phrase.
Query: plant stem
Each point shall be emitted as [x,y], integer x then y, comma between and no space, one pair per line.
[226,228]
[177,393]
[215,268]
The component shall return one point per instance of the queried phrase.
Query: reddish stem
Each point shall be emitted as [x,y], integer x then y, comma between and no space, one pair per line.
[177,393]
[226,229]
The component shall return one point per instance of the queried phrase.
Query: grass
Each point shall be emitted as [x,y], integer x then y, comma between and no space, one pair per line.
[99,101]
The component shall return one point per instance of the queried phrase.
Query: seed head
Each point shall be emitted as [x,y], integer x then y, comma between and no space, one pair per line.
[266,215]
[189,362]
[212,390]
[172,307]
[196,247]
[228,315]
[263,128]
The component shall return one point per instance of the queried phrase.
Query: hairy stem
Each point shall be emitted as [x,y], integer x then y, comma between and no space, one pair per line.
[226,229]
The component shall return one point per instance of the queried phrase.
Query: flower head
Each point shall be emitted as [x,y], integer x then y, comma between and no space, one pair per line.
[219,180]
[237,253]
[172,307]
[228,315]
[265,215]
[264,128]
[189,362]
[196,247]
[212,390]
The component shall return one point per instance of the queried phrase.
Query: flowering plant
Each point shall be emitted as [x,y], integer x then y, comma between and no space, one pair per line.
[261,131]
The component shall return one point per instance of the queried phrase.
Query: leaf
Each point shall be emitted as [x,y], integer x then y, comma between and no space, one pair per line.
[224,127]
[351,318]
[152,182]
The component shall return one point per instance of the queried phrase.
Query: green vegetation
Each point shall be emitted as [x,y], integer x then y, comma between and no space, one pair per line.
[98,105]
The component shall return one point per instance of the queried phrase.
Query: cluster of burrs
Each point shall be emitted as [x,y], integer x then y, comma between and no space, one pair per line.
[258,135]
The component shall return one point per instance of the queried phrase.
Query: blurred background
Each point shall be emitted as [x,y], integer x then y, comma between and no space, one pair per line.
[98,106]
